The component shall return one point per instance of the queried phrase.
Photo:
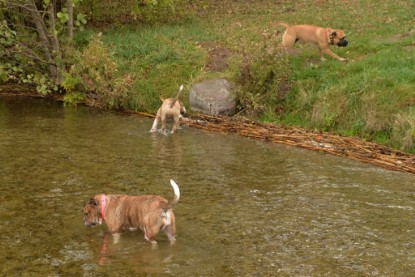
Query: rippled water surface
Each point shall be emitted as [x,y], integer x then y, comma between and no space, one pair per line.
[248,208]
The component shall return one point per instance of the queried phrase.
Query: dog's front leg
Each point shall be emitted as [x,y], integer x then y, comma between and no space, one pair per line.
[333,55]
[115,238]
[171,233]
[321,56]
[150,236]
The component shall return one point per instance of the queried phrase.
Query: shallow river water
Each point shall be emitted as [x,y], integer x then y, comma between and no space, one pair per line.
[248,208]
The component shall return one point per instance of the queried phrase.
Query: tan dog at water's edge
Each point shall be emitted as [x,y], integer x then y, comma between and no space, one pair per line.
[322,37]
[170,110]
[149,213]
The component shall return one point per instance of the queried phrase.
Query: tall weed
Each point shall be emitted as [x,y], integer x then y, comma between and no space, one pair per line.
[403,130]
[96,75]
[261,81]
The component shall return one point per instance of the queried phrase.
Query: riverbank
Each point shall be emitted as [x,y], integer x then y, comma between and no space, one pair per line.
[128,64]
[371,96]
[348,147]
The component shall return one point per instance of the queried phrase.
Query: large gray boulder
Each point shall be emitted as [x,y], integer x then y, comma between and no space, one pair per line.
[212,97]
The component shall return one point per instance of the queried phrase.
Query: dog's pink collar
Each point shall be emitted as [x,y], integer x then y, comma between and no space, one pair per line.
[103,204]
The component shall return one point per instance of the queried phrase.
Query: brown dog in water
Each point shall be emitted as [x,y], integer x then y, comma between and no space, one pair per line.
[150,213]
[170,110]
[322,37]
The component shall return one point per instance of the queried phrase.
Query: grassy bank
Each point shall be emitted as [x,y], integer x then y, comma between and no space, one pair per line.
[372,96]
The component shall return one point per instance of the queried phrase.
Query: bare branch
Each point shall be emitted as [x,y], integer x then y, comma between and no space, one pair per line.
[26,7]
[27,53]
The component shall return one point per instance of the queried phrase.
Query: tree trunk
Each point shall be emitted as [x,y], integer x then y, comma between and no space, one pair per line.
[69,6]
[56,49]
[43,36]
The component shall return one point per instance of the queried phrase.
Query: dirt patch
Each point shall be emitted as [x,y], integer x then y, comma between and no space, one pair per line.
[295,51]
[399,37]
[217,56]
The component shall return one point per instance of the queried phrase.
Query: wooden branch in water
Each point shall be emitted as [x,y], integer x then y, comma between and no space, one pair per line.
[349,147]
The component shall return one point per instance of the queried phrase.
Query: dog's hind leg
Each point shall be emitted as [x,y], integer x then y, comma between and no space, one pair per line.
[175,124]
[170,228]
[156,122]
[288,40]
[154,127]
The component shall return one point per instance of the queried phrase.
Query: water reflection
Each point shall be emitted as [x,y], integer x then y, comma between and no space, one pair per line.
[247,208]
[131,251]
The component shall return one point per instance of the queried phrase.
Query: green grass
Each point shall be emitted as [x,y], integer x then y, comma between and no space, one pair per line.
[372,96]
[160,57]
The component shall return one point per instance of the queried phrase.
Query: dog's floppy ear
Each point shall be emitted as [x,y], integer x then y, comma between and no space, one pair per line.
[92,202]
[162,98]
[332,34]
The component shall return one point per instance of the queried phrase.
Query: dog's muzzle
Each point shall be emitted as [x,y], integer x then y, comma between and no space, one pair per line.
[343,42]
[92,224]
[88,222]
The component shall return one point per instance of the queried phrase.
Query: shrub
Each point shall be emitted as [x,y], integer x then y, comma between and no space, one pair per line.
[403,130]
[96,75]
[261,82]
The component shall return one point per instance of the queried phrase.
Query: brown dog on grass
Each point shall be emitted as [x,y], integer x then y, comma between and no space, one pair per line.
[322,37]
[170,110]
[150,213]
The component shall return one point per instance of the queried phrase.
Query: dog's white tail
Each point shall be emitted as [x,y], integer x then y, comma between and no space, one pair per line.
[180,91]
[176,193]
[177,96]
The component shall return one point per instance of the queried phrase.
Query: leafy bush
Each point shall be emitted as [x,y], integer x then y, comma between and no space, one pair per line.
[73,98]
[36,42]
[262,79]
[96,75]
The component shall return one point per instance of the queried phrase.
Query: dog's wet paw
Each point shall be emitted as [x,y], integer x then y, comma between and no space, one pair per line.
[115,238]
